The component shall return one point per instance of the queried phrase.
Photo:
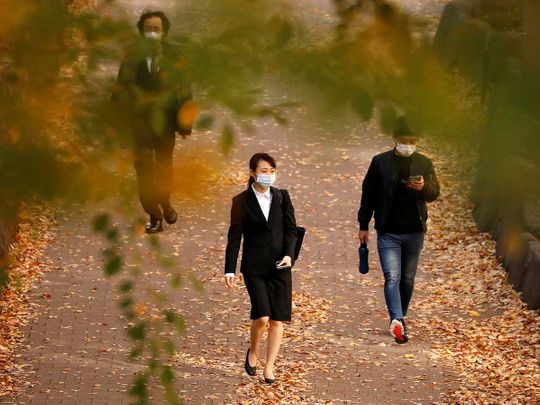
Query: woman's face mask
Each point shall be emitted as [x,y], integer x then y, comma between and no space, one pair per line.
[266,180]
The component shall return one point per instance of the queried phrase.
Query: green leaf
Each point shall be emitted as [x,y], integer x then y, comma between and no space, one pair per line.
[283,30]
[170,315]
[362,104]
[176,320]
[4,277]
[167,375]
[126,302]
[113,266]
[388,119]
[100,222]
[153,241]
[180,324]
[139,390]
[137,332]
[126,286]
[153,364]
[135,353]
[168,263]
[171,396]
[169,347]
[205,123]
[196,283]
[176,280]
[226,141]
[112,235]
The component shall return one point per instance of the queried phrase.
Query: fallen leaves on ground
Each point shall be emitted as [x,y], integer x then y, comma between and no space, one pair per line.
[487,334]
[36,231]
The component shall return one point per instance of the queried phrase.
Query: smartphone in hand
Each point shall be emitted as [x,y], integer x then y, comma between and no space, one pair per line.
[414,179]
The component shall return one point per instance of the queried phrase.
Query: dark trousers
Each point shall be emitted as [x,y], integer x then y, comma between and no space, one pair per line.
[154,168]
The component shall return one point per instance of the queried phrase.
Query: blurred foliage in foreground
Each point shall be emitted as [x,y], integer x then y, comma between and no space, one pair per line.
[58,61]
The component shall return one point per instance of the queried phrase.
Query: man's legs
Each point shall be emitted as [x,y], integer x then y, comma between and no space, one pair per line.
[389,247]
[145,169]
[164,148]
[410,253]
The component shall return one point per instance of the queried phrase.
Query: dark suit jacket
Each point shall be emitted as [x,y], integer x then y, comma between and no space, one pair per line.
[380,183]
[149,104]
[265,242]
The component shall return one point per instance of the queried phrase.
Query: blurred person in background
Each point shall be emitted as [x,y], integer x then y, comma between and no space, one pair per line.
[151,92]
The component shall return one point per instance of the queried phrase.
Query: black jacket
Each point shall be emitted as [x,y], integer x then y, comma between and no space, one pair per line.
[381,182]
[149,104]
[265,242]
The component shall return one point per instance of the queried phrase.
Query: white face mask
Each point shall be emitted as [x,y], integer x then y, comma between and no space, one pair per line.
[153,35]
[405,150]
[266,180]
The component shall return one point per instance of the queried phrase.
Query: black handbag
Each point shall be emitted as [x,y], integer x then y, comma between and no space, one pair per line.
[300,232]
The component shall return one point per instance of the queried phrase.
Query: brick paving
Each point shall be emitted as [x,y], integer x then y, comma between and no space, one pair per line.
[77,349]
[76,345]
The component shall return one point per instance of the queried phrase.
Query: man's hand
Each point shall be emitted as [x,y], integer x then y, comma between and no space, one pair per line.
[230,281]
[416,185]
[363,236]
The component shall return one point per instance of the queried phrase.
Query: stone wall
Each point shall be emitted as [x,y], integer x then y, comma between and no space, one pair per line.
[8,208]
[470,42]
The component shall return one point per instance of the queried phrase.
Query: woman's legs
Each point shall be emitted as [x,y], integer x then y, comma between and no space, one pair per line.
[258,326]
[275,333]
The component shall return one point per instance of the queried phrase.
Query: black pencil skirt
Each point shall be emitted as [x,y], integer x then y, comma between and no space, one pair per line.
[270,295]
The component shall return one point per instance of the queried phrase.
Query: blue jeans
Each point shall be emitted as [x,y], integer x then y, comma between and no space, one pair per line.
[399,255]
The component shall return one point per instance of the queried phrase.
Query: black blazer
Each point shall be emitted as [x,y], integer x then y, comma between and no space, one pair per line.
[265,242]
[381,181]
[150,103]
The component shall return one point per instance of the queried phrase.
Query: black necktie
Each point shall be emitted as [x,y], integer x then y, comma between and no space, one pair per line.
[154,66]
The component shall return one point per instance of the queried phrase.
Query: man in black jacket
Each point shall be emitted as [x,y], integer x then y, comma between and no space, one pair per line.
[396,188]
[152,93]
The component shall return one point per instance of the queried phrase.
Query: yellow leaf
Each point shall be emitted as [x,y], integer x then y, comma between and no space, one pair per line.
[187,114]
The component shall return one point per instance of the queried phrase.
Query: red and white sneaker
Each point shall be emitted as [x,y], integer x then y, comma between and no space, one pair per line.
[397,330]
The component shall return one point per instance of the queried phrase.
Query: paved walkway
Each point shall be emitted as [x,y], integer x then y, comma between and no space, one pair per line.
[336,350]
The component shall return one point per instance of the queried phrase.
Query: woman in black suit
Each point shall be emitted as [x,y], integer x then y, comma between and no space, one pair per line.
[264,216]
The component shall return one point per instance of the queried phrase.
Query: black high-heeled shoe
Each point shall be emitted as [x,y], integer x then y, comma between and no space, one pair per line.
[269,380]
[250,370]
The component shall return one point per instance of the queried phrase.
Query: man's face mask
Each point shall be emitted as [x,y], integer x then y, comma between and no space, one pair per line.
[155,36]
[405,150]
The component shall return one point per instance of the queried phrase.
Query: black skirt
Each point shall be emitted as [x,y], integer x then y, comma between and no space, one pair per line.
[270,295]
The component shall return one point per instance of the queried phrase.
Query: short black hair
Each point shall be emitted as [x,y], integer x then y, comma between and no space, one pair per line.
[149,14]
[402,127]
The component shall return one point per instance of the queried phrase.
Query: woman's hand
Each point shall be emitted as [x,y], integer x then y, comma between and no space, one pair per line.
[285,262]
[416,185]
[230,281]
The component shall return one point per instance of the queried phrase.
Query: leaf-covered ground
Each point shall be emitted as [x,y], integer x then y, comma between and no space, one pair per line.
[36,230]
[472,340]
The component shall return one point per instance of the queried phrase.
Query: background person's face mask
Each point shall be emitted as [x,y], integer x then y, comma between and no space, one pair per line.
[405,150]
[266,180]
[155,36]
